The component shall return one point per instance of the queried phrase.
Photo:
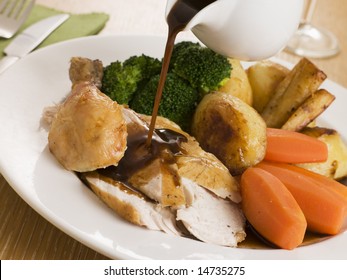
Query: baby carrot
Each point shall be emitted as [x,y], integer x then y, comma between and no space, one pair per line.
[294,147]
[325,210]
[324,181]
[271,209]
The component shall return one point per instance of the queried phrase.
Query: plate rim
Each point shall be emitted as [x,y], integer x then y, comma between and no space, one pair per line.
[63,225]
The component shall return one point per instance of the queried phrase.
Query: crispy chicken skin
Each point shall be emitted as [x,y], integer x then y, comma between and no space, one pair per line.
[88,131]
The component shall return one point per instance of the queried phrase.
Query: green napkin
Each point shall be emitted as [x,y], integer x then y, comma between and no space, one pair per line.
[77,25]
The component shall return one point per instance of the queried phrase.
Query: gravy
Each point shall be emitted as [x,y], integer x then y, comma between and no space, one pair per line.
[178,18]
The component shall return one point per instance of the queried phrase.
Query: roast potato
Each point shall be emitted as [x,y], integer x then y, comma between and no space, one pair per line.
[238,84]
[264,76]
[336,165]
[230,129]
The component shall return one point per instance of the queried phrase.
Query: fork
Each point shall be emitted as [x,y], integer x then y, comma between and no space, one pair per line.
[12,15]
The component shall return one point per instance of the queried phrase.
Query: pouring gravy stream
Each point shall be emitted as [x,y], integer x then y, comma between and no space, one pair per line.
[178,18]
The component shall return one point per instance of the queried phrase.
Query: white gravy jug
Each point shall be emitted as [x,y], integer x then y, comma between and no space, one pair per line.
[245,29]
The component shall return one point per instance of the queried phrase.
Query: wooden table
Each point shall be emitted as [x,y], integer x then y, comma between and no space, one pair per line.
[26,235]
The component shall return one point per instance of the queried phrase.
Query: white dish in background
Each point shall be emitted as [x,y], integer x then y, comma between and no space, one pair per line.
[40,80]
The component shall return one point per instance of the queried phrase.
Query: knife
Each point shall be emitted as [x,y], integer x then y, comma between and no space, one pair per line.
[29,39]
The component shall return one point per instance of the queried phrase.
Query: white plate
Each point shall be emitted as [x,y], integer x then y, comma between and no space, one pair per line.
[40,80]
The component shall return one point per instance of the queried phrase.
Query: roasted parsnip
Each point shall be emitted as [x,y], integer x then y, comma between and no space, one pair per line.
[309,110]
[301,82]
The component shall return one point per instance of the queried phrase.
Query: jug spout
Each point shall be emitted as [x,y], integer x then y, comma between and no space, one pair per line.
[214,16]
[207,15]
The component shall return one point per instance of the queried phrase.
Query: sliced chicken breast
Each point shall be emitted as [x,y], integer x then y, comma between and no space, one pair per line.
[131,205]
[201,167]
[160,182]
[159,179]
[211,219]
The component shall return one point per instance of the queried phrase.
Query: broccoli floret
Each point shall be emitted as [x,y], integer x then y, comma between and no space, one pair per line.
[178,102]
[118,83]
[203,68]
[148,66]
[121,80]
[193,70]
[179,48]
